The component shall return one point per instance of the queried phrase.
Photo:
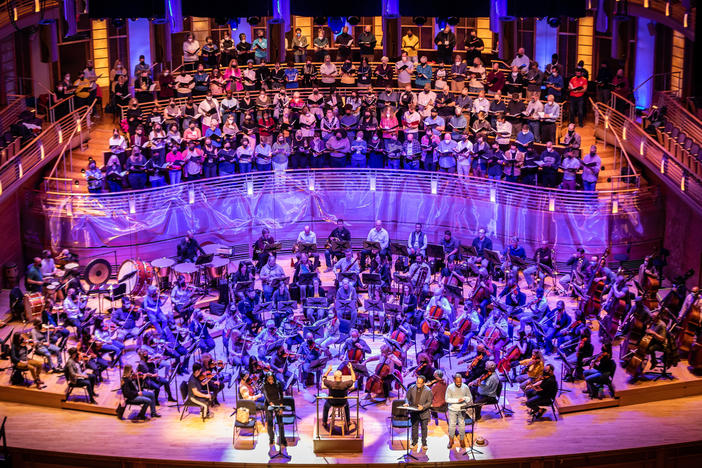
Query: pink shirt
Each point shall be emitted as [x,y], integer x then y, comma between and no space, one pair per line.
[189,135]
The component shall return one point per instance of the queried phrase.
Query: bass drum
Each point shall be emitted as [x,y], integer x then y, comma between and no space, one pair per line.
[33,306]
[137,276]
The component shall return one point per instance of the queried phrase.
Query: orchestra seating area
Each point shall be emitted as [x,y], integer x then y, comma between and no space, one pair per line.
[369,234]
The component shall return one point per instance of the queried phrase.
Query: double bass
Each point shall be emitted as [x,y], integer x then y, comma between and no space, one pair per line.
[592,305]
[689,330]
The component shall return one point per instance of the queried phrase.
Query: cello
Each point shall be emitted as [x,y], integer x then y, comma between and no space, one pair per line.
[458,336]
[433,319]
[689,330]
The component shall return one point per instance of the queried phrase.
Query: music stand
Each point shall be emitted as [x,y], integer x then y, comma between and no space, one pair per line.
[273,247]
[368,245]
[306,278]
[203,259]
[243,286]
[373,307]
[337,245]
[467,251]
[262,308]
[284,307]
[517,261]
[472,450]
[407,453]
[435,251]
[307,248]
[274,409]
[564,360]
[350,275]
[492,256]
[398,249]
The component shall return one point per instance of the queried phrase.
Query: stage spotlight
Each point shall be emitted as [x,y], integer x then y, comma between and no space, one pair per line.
[353,20]
[553,21]
[117,23]
[419,20]
[441,22]
[320,20]
[253,20]
[234,23]
[335,23]
[452,20]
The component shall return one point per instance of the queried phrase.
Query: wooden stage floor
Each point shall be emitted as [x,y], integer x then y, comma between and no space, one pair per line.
[43,425]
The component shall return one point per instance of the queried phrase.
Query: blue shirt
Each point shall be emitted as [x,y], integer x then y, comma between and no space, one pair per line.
[423,70]
[263,44]
[291,75]
[556,81]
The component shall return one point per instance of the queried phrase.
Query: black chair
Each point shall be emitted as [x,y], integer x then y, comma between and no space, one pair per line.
[552,405]
[250,424]
[289,414]
[399,419]
[70,387]
[186,401]
[496,400]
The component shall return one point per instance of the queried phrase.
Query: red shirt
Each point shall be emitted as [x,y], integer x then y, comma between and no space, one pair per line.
[578,82]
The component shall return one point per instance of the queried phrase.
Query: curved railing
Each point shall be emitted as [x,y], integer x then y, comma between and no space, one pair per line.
[12,11]
[647,150]
[675,112]
[359,180]
[9,113]
[47,145]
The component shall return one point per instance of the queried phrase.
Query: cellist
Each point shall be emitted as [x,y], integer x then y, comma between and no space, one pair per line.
[385,372]
[354,351]
[482,292]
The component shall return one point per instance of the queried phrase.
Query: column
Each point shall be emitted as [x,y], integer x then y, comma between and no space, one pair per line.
[545,42]
[139,42]
[643,69]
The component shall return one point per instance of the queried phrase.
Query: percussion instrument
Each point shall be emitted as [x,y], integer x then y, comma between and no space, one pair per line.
[137,275]
[97,272]
[188,270]
[162,266]
[71,266]
[217,268]
[33,306]
[211,249]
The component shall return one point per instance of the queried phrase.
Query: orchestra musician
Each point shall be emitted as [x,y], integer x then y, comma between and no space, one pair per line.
[315,291]
[260,255]
[347,264]
[542,393]
[188,249]
[340,233]
[543,257]
[659,331]
[45,339]
[376,234]
[532,369]
[78,377]
[419,396]
[303,267]
[181,299]
[559,323]
[484,389]
[601,371]
[270,274]
[311,355]
[494,331]
[104,333]
[19,356]
[420,276]
[346,302]
[134,393]
[451,246]
[75,308]
[199,330]
[266,338]
[476,367]
[153,306]
[125,317]
[273,392]
[578,265]
[354,351]
[198,393]
[387,370]
[417,242]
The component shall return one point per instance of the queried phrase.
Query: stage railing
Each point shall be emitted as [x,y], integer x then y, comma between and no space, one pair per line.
[381,180]
[9,113]
[14,10]
[646,149]
[67,101]
[680,117]
[48,144]
[326,397]
[620,156]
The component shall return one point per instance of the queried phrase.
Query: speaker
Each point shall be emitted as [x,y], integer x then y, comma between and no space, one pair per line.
[48,45]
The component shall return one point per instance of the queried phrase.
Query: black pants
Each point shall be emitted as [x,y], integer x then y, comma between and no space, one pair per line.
[417,420]
[577,109]
[534,402]
[281,428]
[88,384]
[548,132]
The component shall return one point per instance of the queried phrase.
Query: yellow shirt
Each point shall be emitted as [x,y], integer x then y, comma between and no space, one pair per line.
[410,44]
[82,88]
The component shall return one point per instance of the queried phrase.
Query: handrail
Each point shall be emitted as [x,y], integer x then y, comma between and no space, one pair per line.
[671,73]
[9,113]
[363,180]
[622,149]
[43,146]
[71,106]
[21,8]
[679,116]
[614,101]
[652,153]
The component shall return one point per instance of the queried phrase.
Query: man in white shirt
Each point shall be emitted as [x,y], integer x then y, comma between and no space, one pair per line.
[410,120]
[504,130]
[377,234]
[464,153]
[328,71]
[481,104]
[592,164]
[552,111]
[521,61]
[405,67]
[533,111]
[425,101]
[307,236]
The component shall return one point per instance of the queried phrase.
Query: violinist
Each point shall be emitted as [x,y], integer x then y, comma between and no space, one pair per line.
[340,233]
[74,306]
[515,302]
[424,367]
[484,389]
[198,394]
[181,299]
[260,255]
[556,326]
[79,378]
[237,348]
[535,310]
[279,364]
[601,372]
[476,367]
[330,334]
[582,352]
[125,317]
[19,356]
[248,389]
[273,393]
[104,333]
[218,379]
[135,394]
[532,369]
[339,389]
[354,351]
[246,310]
[420,397]
[147,367]
[267,337]
[153,305]
[45,344]
[312,358]
[92,354]
[386,370]
[542,393]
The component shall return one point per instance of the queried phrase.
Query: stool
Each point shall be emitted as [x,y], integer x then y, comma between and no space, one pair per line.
[338,412]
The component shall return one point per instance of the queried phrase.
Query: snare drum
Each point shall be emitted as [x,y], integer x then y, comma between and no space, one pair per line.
[217,268]
[33,306]
[188,270]
[140,273]
[162,266]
